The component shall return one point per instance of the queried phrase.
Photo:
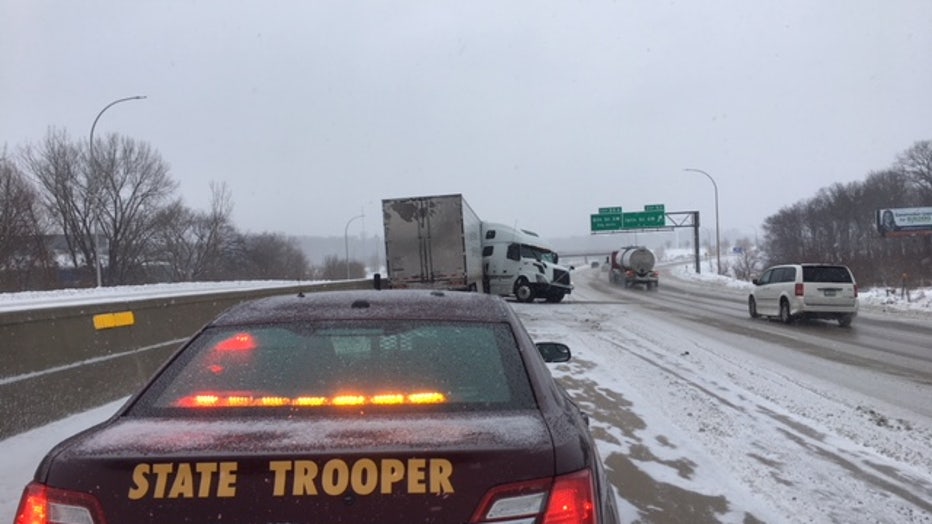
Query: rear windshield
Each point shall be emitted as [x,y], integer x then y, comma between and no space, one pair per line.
[366,365]
[837,274]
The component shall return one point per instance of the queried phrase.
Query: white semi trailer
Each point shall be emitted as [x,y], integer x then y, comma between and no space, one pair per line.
[432,242]
[439,242]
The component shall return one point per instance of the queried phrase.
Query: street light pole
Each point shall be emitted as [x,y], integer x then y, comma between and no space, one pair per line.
[93,166]
[718,254]
[346,242]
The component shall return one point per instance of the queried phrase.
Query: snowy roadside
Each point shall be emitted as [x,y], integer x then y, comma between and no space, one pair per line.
[689,415]
[80,296]
[682,416]
[917,303]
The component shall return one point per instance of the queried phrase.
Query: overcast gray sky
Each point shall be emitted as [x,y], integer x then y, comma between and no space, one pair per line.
[538,112]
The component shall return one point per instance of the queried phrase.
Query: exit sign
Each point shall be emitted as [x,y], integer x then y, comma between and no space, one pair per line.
[612,219]
[643,220]
[605,222]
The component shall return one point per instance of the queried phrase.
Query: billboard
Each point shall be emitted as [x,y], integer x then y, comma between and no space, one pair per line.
[904,221]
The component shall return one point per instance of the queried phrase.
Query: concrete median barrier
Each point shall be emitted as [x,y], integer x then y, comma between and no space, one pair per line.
[56,361]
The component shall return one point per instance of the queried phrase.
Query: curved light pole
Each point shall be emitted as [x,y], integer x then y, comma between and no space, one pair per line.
[93,165]
[718,254]
[346,241]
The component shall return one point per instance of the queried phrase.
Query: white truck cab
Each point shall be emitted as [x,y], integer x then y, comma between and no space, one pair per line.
[517,262]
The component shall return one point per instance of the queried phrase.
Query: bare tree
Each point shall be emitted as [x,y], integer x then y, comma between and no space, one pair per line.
[335,268]
[171,253]
[916,163]
[58,166]
[191,244]
[265,256]
[782,235]
[24,258]
[117,191]
[838,224]
[749,263]
[134,186]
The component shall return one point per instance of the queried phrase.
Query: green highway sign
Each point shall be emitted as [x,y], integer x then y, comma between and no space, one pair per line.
[612,219]
[643,220]
[605,222]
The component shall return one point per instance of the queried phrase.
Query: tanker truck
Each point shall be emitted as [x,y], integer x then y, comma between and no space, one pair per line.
[633,265]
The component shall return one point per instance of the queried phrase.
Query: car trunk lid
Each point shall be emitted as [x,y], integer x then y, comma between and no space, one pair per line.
[427,468]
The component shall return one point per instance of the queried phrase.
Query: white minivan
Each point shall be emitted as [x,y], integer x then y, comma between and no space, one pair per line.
[791,291]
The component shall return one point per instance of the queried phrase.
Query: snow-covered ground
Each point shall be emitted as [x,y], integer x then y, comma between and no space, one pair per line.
[679,263]
[68,297]
[917,300]
[682,415]
[678,415]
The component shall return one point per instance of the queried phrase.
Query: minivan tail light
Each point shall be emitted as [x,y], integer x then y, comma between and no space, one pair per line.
[855,291]
[567,499]
[41,504]
[799,290]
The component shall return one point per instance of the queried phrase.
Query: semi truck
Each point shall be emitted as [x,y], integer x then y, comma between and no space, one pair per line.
[518,263]
[632,266]
[433,242]
[438,242]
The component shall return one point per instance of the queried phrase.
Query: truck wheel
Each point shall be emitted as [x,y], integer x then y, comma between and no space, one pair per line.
[523,291]
[845,320]
[752,308]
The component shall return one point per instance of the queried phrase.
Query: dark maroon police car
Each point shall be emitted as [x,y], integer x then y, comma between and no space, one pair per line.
[355,407]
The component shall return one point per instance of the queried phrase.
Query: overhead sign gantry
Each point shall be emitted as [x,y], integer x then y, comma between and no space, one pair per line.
[653,218]
[612,219]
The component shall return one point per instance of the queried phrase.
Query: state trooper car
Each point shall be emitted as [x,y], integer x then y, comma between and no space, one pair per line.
[395,406]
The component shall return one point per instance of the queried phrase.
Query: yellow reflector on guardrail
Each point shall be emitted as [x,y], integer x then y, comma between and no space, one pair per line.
[113,320]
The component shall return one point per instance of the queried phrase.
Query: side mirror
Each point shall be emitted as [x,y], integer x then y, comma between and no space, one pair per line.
[554,351]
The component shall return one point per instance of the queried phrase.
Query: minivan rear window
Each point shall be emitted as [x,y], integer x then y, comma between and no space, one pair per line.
[836,274]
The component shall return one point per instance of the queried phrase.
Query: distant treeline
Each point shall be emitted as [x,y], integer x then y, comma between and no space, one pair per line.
[62,204]
[839,224]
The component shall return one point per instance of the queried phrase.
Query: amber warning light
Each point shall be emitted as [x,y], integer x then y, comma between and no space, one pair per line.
[213,400]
